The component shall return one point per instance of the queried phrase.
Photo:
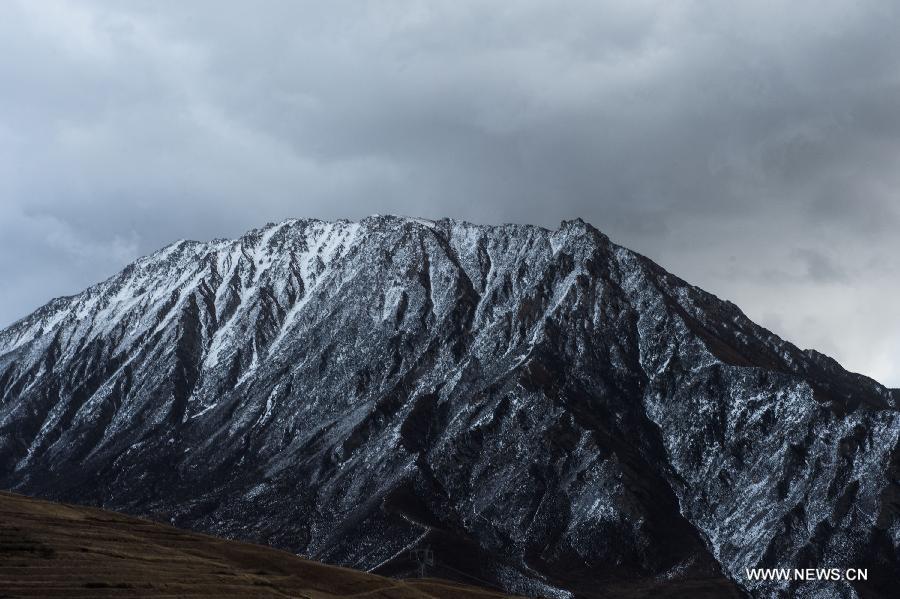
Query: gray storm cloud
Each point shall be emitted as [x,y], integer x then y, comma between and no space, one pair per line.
[751,147]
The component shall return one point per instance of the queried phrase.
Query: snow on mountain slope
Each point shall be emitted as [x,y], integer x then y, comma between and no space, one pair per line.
[546,410]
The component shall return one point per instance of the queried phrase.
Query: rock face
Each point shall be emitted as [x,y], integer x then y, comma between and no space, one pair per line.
[546,411]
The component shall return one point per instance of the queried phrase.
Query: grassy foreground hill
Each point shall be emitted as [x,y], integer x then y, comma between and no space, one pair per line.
[57,550]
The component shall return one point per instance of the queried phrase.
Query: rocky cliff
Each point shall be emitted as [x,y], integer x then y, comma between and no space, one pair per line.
[545,411]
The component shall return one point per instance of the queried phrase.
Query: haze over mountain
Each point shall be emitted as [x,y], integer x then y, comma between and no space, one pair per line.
[751,147]
[545,410]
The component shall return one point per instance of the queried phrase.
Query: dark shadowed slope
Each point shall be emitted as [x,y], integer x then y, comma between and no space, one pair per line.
[56,550]
[546,410]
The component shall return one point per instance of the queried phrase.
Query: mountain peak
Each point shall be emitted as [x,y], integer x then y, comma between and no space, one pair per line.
[542,409]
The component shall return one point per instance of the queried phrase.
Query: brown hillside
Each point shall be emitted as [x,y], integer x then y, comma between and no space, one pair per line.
[57,550]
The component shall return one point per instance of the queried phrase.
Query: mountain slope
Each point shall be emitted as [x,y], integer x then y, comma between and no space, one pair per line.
[546,410]
[55,550]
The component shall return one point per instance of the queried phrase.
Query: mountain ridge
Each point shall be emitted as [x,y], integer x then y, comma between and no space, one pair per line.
[405,368]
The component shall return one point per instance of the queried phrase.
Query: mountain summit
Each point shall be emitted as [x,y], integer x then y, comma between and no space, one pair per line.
[544,411]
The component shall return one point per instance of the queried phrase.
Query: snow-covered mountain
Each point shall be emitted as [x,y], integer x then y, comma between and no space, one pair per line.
[546,411]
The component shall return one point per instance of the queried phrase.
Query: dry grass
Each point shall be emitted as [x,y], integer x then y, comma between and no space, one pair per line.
[54,550]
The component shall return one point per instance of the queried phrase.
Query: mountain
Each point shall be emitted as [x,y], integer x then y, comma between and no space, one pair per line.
[57,550]
[545,411]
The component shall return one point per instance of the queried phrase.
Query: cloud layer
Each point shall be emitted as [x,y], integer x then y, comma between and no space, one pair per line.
[751,147]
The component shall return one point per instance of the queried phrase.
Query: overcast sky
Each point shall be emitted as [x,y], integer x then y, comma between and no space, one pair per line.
[753,148]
